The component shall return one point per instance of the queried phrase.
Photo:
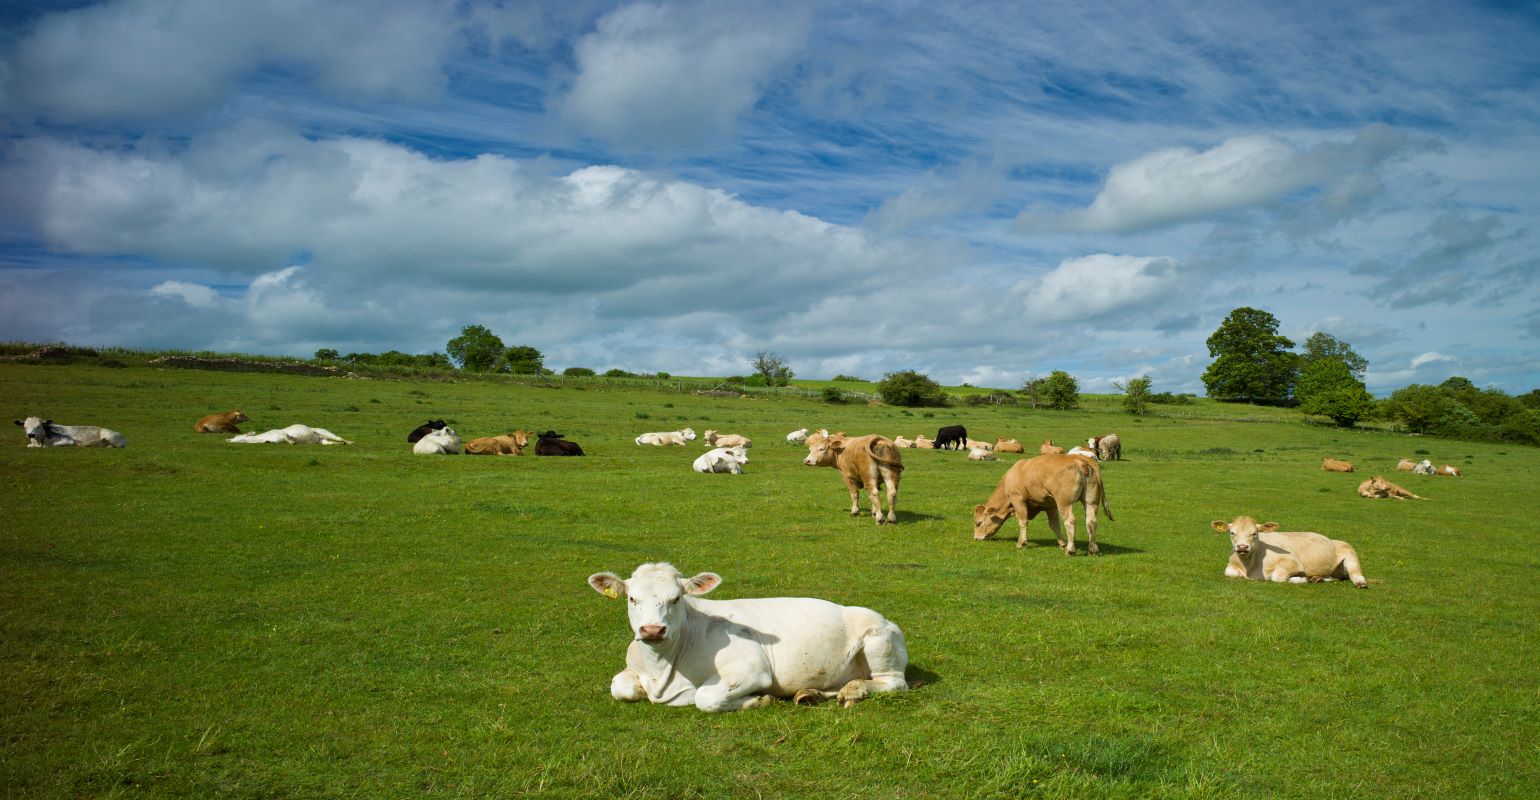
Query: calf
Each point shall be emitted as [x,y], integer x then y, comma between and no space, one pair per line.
[1108,447]
[951,437]
[863,461]
[221,423]
[1051,484]
[667,439]
[1377,487]
[1008,446]
[45,433]
[1336,465]
[509,444]
[722,459]
[444,441]
[729,655]
[425,429]
[714,439]
[1261,553]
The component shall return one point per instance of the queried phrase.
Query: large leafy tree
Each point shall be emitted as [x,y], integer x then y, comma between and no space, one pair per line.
[1061,390]
[1331,381]
[910,388]
[524,360]
[476,349]
[772,368]
[1251,360]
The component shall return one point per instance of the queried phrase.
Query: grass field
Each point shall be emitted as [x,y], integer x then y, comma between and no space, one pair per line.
[192,618]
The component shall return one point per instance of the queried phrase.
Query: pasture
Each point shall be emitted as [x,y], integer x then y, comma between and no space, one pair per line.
[192,618]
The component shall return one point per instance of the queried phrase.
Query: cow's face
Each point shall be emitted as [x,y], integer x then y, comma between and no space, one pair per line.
[688,433]
[654,598]
[238,416]
[520,438]
[987,520]
[1244,533]
[36,430]
[824,450]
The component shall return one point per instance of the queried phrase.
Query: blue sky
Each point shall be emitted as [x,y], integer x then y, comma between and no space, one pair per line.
[980,191]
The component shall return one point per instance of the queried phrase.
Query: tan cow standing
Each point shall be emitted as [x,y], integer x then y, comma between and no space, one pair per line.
[1008,446]
[865,462]
[1048,448]
[1261,553]
[509,444]
[1336,465]
[222,423]
[1377,487]
[1051,484]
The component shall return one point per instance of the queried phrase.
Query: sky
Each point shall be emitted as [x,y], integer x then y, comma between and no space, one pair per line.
[984,192]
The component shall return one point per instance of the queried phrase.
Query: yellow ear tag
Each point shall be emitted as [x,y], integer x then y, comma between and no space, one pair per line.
[609,591]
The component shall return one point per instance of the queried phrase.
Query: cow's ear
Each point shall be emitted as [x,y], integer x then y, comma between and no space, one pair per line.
[702,583]
[1221,526]
[978,509]
[1268,527]
[17,421]
[608,584]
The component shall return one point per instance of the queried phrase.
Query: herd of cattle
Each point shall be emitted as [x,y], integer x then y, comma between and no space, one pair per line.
[735,654]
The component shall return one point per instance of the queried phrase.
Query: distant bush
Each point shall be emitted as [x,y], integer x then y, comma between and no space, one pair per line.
[910,388]
[618,373]
[578,372]
[850,379]
[663,376]
[1169,399]
[832,394]
[736,380]
[995,398]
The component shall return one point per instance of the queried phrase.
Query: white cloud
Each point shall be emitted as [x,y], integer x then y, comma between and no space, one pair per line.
[1430,357]
[1100,285]
[193,294]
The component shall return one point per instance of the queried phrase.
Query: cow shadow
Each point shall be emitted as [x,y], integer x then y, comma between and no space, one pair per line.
[916,516]
[918,676]
[1080,545]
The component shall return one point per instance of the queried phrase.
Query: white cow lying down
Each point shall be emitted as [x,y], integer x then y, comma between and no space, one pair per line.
[723,459]
[294,434]
[44,433]
[726,655]
[443,441]
[667,438]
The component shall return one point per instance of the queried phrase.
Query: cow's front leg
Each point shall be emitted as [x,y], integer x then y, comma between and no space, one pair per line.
[1019,506]
[722,694]
[1288,571]
[626,687]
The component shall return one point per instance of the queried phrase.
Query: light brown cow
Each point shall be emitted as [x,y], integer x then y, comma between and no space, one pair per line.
[975,443]
[1108,447]
[1048,448]
[863,461]
[1405,465]
[714,439]
[1377,487]
[1451,471]
[899,441]
[982,454]
[509,444]
[222,423]
[1008,446]
[923,443]
[1336,465]
[1261,553]
[1051,484]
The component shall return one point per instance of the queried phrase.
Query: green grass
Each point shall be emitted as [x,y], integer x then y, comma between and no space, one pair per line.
[192,618]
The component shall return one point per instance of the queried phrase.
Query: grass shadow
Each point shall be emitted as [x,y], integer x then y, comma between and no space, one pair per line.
[1080,545]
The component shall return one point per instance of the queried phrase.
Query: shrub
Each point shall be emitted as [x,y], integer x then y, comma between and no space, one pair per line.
[910,388]
[578,372]
[1136,395]
[850,379]
[832,394]
[1061,390]
[617,373]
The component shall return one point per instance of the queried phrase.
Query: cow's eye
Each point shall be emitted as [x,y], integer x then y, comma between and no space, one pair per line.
[673,601]
[632,599]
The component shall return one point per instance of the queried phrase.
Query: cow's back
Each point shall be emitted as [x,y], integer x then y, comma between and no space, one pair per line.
[809,641]
[1317,553]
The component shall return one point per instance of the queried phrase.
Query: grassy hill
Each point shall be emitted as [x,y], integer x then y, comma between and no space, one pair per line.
[188,617]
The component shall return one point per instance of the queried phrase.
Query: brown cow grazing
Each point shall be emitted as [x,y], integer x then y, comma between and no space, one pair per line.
[1108,447]
[1048,448]
[222,423]
[1008,446]
[1261,553]
[1051,484]
[509,444]
[1451,471]
[863,461]
[1377,487]
[1405,465]
[1336,465]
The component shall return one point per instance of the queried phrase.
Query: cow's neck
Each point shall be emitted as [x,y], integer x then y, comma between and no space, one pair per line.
[661,663]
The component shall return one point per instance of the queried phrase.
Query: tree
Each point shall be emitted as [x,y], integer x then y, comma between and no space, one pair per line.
[1251,361]
[1032,389]
[772,368]
[1136,394]
[578,372]
[1328,388]
[326,354]
[1323,347]
[1061,390]
[1423,409]
[910,388]
[476,349]
[524,360]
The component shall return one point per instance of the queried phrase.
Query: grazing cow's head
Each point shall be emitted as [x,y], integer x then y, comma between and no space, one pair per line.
[35,429]
[987,520]
[653,596]
[1243,533]
[822,451]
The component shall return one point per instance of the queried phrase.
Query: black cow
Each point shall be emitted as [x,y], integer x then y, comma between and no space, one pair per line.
[552,443]
[425,429]
[952,437]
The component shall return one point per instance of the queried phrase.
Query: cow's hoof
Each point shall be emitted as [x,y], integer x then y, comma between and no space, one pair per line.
[807,697]
[760,701]
[852,693]
[1070,553]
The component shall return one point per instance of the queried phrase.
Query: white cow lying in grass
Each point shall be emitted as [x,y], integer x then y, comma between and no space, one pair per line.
[676,438]
[797,436]
[294,434]
[723,459]
[443,441]
[729,655]
[1262,553]
[44,433]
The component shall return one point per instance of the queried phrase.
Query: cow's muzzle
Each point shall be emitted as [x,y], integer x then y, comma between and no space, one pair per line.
[653,633]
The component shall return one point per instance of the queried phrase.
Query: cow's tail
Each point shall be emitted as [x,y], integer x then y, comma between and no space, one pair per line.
[885,453]
[1101,501]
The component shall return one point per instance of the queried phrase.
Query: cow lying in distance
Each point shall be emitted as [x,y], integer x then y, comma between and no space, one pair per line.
[444,441]
[922,443]
[1008,446]
[1405,465]
[222,423]
[425,429]
[1048,448]
[863,461]
[1077,450]
[1336,465]
[975,443]
[552,443]
[1451,471]
[728,655]
[982,454]
[1377,487]
[1051,484]
[714,439]
[901,442]
[951,437]
[44,433]
[1261,553]
[1108,447]
[797,436]
[294,434]
[722,459]
[1424,467]
[509,444]
[667,439]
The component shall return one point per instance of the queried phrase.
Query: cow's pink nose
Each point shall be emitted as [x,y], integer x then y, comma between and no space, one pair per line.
[653,632]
